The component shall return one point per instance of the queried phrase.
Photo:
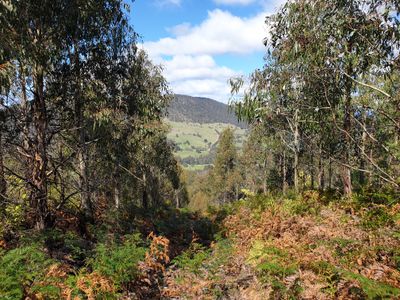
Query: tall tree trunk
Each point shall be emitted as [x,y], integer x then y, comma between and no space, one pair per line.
[296,151]
[265,176]
[346,171]
[363,146]
[26,144]
[145,196]
[3,183]
[40,159]
[82,153]
[330,173]
[321,171]
[284,173]
[117,198]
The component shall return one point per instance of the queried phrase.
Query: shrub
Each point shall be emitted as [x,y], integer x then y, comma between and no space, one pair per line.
[193,258]
[376,216]
[119,261]
[271,262]
[372,288]
[387,197]
[21,268]
[308,203]
[260,202]
[76,246]
[273,265]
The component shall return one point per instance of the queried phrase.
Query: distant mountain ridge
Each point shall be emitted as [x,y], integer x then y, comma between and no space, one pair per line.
[200,110]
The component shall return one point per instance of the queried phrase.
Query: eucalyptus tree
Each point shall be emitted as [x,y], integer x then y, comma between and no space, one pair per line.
[100,46]
[33,31]
[258,159]
[330,49]
[127,132]
[224,178]
[80,94]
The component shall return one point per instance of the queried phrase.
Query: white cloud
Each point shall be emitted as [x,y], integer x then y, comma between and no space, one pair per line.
[208,88]
[195,67]
[234,2]
[187,55]
[198,76]
[181,29]
[168,2]
[220,33]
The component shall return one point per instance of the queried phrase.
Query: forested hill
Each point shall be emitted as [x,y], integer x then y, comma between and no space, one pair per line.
[200,110]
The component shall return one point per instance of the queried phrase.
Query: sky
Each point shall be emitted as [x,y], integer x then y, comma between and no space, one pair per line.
[203,43]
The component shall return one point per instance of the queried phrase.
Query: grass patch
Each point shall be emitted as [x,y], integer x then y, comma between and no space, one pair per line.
[373,288]
[198,140]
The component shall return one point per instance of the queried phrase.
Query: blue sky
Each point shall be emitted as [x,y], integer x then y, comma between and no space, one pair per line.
[203,43]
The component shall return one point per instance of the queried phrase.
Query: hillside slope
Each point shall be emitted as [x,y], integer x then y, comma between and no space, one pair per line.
[201,110]
[195,143]
[309,247]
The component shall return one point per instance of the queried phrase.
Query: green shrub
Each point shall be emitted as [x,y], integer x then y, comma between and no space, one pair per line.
[272,266]
[193,258]
[376,216]
[271,262]
[386,197]
[260,202]
[374,289]
[119,261]
[21,268]
[76,246]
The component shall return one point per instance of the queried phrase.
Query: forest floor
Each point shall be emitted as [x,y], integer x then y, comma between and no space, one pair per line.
[306,247]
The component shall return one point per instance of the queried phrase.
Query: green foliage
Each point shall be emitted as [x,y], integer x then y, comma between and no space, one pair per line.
[373,288]
[384,197]
[21,268]
[195,143]
[119,261]
[271,261]
[376,216]
[223,250]
[260,202]
[307,203]
[76,246]
[193,258]
[272,266]
[171,222]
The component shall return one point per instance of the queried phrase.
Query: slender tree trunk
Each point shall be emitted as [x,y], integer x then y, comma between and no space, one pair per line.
[117,200]
[82,153]
[26,144]
[62,182]
[177,198]
[84,186]
[3,183]
[284,173]
[363,146]
[40,159]
[346,171]
[312,174]
[330,174]
[296,151]
[321,171]
[145,197]
[265,177]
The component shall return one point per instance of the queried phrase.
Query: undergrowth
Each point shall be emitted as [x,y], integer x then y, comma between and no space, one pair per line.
[309,246]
